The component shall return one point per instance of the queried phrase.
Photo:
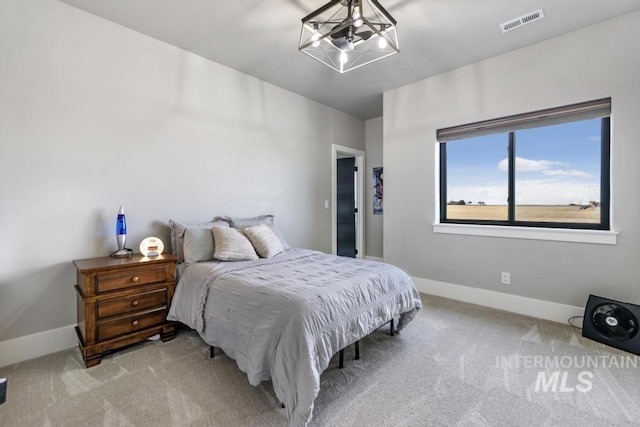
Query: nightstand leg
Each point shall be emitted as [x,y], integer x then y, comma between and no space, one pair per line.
[168,333]
[91,357]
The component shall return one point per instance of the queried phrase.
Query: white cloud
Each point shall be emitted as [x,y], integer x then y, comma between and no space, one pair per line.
[567,172]
[550,183]
[528,165]
[547,167]
[553,192]
[529,192]
[490,194]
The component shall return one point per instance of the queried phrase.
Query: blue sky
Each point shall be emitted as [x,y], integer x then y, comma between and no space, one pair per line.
[555,165]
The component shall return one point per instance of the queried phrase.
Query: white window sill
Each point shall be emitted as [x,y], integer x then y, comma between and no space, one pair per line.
[555,234]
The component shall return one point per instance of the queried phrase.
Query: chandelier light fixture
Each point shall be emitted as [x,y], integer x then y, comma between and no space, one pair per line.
[347,34]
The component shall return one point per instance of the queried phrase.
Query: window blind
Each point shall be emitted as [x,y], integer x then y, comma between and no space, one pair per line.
[551,116]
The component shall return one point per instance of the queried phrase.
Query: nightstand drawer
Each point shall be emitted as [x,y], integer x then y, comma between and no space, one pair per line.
[107,282]
[127,324]
[131,303]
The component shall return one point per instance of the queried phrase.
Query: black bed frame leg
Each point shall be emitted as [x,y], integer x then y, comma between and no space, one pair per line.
[341,362]
[357,350]
[211,351]
[392,333]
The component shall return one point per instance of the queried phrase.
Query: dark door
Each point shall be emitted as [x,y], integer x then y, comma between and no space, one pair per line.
[346,207]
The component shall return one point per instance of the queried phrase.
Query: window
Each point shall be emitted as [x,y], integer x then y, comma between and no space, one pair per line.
[549,169]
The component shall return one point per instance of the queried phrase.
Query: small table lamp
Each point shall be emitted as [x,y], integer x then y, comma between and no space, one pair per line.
[121,235]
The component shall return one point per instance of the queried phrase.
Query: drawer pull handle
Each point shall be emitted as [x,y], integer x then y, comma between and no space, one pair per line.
[135,279]
[134,323]
[134,303]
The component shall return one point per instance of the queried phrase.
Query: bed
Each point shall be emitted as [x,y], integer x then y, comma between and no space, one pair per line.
[283,317]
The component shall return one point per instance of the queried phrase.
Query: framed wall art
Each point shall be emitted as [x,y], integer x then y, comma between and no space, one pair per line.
[378,190]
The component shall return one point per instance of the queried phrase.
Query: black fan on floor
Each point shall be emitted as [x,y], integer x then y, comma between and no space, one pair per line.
[613,323]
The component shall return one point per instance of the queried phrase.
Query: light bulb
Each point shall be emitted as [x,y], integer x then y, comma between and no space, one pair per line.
[357,22]
[343,57]
[315,38]
[382,43]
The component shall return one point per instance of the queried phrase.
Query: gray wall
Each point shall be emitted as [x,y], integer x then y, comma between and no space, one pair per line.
[373,223]
[94,115]
[595,62]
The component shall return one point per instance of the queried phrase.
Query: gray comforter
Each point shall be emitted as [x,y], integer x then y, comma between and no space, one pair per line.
[283,318]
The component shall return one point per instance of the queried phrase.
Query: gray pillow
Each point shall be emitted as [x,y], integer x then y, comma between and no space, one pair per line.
[247,222]
[232,245]
[198,245]
[177,234]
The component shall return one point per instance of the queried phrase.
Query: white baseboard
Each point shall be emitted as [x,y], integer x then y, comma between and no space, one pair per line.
[507,302]
[374,258]
[36,345]
[31,346]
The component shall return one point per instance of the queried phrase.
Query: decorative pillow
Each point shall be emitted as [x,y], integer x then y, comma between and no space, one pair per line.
[278,233]
[177,234]
[264,240]
[198,245]
[253,221]
[232,245]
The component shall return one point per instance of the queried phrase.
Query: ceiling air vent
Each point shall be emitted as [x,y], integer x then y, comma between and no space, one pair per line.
[522,20]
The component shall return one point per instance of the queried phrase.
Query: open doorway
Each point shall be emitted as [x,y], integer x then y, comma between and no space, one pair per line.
[347,215]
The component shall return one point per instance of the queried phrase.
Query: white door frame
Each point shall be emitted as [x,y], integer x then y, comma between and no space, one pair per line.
[336,152]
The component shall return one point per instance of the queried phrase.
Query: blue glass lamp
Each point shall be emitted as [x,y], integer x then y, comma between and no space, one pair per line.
[121,235]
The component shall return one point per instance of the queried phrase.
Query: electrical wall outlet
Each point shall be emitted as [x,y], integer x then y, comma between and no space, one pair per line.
[505,278]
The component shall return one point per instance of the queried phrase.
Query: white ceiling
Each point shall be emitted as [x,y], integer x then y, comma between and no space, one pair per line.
[260,38]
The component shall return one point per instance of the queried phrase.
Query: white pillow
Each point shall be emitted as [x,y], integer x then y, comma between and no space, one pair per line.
[253,221]
[231,244]
[264,240]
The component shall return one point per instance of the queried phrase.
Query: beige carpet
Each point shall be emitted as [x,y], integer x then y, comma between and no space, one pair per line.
[455,364]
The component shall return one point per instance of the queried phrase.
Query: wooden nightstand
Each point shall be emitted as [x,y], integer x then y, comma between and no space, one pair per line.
[122,301]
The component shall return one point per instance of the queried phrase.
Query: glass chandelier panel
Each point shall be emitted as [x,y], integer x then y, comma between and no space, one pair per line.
[347,34]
